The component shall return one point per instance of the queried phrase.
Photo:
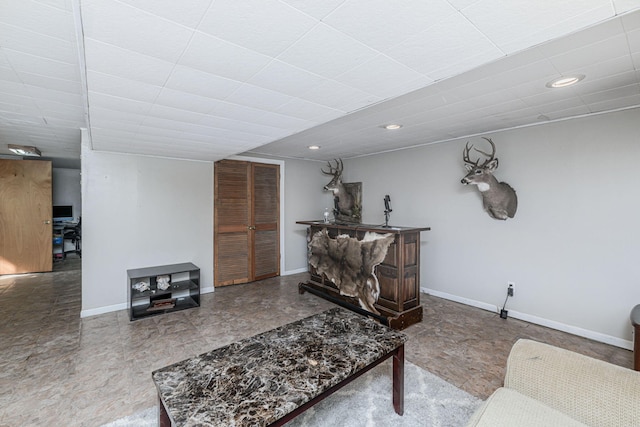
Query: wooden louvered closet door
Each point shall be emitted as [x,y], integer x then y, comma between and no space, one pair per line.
[246,221]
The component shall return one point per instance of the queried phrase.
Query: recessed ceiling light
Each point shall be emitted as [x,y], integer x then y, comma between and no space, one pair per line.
[392,127]
[314,147]
[24,150]
[565,81]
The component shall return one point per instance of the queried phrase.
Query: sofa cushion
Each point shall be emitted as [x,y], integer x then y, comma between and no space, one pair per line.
[592,391]
[507,407]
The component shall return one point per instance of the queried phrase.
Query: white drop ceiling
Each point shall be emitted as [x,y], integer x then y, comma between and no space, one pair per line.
[207,79]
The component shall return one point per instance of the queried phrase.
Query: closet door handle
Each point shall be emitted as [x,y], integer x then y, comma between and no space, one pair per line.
[251,227]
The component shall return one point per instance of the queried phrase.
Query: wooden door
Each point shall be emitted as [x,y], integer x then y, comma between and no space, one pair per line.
[265,189]
[246,222]
[25,216]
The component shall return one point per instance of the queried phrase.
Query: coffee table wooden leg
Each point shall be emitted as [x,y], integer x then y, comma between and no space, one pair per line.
[163,419]
[398,380]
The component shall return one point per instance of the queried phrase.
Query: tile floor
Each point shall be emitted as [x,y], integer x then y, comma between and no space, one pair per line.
[58,369]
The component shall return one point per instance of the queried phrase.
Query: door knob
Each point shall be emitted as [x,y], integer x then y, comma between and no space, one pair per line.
[251,227]
[46,221]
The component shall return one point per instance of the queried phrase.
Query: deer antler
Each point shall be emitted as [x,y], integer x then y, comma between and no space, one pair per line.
[335,171]
[465,154]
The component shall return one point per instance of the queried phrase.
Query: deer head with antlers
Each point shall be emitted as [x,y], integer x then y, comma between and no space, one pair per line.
[498,198]
[343,200]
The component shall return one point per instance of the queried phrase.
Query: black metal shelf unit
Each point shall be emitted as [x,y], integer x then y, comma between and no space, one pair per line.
[146,299]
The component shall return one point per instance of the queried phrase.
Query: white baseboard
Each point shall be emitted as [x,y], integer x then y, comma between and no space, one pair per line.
[103,310]
[574,330]
[298,271]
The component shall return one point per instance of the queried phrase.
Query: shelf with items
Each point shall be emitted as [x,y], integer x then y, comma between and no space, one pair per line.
[162,289]
[58,247]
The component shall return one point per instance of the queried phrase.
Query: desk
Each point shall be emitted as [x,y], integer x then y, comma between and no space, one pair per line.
[59,229]
[269,379]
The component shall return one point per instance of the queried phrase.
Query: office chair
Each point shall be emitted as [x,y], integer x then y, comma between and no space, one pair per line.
[75,235]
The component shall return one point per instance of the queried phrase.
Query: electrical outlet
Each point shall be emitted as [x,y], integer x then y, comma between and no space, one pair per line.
[510,288]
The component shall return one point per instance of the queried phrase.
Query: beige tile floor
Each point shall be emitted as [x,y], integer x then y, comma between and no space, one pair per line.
[58,369]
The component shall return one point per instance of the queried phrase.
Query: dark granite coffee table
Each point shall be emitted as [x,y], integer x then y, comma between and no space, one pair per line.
[269,379]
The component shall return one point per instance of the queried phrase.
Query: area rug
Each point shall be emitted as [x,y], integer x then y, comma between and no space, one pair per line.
[366,402]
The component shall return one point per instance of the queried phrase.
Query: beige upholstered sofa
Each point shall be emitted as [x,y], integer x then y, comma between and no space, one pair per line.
[549,386]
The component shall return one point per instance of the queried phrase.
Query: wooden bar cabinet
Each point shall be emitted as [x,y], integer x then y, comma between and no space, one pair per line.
[398,274]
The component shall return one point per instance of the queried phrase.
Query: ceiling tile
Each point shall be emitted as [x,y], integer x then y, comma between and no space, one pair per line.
[186,101]
[285,78]
[63,111]
[636,60]
[283,121]
[310,111]
[521,25]
[613,93]
[121,87]
[258,97]
[127,118]
[633,38]
[556,114]
[622,6]
[605,69]
[119,62]
[200,83]
[103,121]
[335,95]
[632,100]
[575,59]
[38,44]
[11,107]
[452,41]
[22,62]
[388,23]
[19,101]
[316,9]
[39,18]
[133,29]
[383,77]
[327,52]
[236,111]
[174,10]
[69,86]
[124,105]
[590,35]
[9,75]
[174,114]
[265,26]
[216,56]
[245,127]
[38,92]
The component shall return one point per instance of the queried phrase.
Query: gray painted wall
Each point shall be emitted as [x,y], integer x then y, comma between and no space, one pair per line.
[66,189]
[140,212]
[572,248]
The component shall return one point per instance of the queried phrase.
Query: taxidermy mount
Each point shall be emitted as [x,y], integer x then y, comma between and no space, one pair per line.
[498,198]
[347,197]
[350,263]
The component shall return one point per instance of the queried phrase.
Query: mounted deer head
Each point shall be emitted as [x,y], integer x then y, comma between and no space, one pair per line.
[343,201]
[498,198]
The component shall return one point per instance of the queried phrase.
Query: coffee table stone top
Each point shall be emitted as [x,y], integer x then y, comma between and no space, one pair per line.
[258,380]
